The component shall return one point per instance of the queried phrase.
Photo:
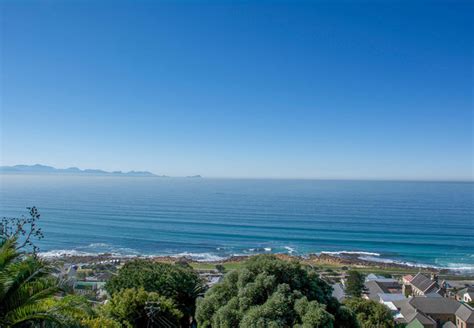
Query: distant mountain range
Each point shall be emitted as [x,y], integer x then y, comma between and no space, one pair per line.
[44,169]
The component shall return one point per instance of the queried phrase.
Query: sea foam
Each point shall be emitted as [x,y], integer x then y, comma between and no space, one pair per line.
[350,253]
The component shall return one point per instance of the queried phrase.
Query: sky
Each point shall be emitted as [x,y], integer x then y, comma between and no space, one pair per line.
[300,89]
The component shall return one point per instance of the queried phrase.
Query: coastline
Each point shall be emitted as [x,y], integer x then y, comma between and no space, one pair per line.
[337,260]
[215,219]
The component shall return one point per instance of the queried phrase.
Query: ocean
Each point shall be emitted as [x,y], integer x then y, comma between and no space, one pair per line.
[419,223]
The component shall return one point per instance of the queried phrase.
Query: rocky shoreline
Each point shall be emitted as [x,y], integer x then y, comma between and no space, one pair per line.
[350,260]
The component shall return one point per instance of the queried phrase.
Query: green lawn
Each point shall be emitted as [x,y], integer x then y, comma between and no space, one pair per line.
[209,266]
[338,269]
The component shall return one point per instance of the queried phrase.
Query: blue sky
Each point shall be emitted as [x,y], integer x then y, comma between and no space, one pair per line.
[379,90]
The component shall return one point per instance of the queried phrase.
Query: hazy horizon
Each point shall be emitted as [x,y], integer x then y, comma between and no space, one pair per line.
[162,175]
[312,90]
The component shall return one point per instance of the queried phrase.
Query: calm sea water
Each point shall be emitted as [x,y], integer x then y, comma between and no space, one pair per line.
[417,222]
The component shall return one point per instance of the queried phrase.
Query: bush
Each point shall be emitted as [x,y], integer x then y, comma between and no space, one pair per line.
[177,282]
[370,314]
[355,283]
[28,292]
[268,292]
[138,308]
[100,322]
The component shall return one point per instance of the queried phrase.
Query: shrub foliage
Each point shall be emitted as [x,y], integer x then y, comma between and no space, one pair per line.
[370,314]
[138,308]
[177,282]
[268,292]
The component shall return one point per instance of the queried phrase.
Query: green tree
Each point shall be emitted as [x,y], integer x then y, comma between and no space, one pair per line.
[313,314]
[355,283]
[268,292]
[220,268]
[23,229]
[345,318]
[27,291]
[70,309]
[180,283]
[100,322]
[139,308]
[370,314]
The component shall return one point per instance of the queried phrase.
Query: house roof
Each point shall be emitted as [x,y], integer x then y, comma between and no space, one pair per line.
[432,305]
[469,290]
[410,314]
[338,292]
[423,283]
[388,297]
[425,320]
[465,290]
[415,324]
[373,277]
[465,313]
[376,287]
[408,277]
[449,324]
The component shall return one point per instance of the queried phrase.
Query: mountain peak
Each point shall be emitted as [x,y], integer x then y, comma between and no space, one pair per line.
[39,168]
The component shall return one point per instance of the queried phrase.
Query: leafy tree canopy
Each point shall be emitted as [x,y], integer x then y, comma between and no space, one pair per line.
[268,292]
[355,283]
[28,290]
[180,283]
[139,308]
[370,314]
[100,322]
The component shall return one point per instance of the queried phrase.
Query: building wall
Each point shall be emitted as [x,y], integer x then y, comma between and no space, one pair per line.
[462,324]
[417,292]
[442,318]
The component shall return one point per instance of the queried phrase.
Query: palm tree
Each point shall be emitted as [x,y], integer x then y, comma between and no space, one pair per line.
[28,289]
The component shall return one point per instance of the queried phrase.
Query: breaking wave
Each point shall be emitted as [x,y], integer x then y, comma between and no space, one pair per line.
[96,249]
[350,253]
[290,250]
[200,257]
